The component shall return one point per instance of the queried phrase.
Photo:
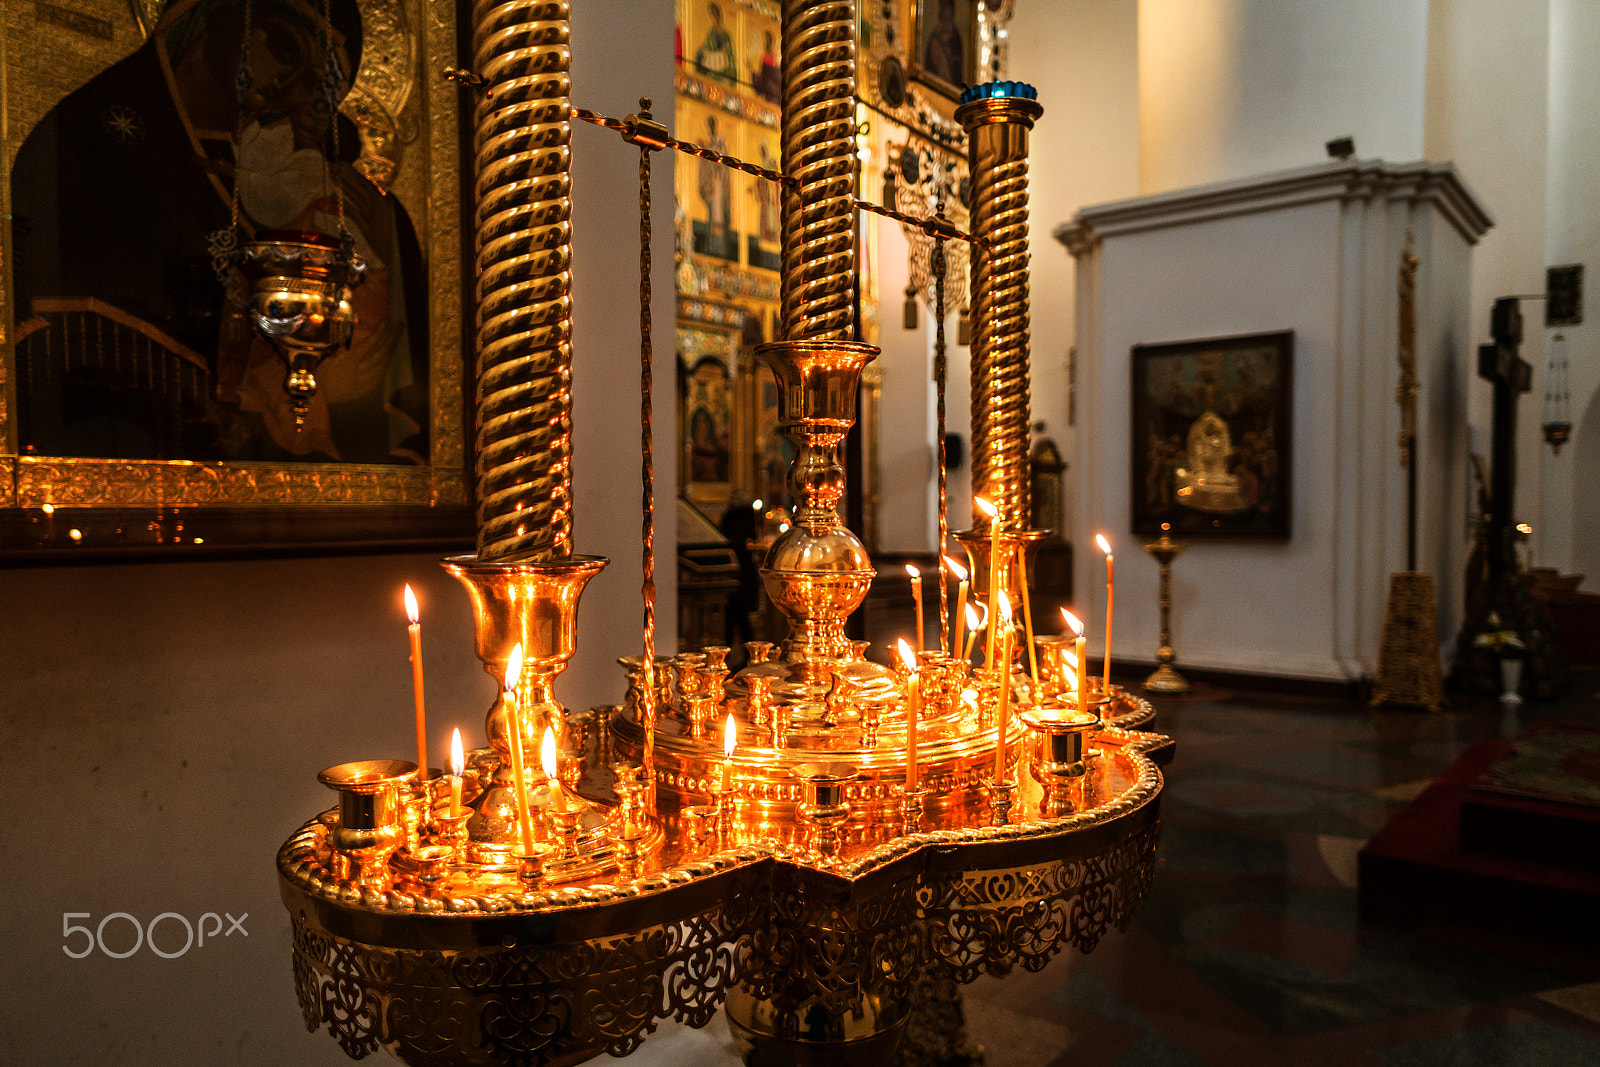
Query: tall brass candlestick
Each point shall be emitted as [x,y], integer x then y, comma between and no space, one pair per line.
[1165,678]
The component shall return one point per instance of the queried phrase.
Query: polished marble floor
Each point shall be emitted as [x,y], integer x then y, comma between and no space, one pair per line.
[1250,949]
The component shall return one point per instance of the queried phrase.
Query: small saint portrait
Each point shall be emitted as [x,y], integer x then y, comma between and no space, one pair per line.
[1211,423]
[714,57]
[947,41]
[765,77]
[713,233]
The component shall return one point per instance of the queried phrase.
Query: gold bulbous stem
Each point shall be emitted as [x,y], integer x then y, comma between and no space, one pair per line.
[817,572]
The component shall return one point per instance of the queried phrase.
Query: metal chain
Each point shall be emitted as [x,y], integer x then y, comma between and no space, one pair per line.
[936,228]
[940,368]
[330,99]
[647,690]
[241,90]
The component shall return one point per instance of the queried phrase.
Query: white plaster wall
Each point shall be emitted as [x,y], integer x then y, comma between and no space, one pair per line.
[1487,84]
[1269,607]
[1231,88]
[1567,531]
[1084,150]
[161,725]
[907,521]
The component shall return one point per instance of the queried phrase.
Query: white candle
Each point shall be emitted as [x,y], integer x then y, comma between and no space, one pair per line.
[994,573]
[913,714]
[458,764]
[416,684]
[514,729]
[961,599]
[1078,654]
[916,597]
[1005,691]
[730,740]
[1111,589]
[547,757]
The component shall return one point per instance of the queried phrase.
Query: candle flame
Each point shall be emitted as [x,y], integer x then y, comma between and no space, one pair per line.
[956,569]
[973,622]
[1005,608]
[1105,546]
[513,667]
[547,753]
[730,737]
[907,656]
[48,509]
[984,506]
[1072,621]
[458,758]
[411,604]
[912,570]
[757,504]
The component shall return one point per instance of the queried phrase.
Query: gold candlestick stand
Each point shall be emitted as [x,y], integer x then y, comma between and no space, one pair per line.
[1165,679]
[788,874]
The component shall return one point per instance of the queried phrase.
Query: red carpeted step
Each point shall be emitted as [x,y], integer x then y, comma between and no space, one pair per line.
[1417,866]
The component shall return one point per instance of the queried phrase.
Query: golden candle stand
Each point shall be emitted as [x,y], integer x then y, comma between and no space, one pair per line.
[743,840]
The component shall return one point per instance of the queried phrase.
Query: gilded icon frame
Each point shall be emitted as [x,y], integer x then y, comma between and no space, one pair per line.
[1231,399]
[410,127]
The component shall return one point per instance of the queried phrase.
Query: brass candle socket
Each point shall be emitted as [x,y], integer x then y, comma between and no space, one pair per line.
[817,572]
[371,817]
[422,868]
[911,802]
[531,865]
[704,824]
[824,807]
[1000,794]
[447,829]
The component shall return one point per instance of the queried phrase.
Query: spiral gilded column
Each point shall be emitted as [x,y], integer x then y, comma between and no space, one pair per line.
[998,117]
[524,282]
[819,214]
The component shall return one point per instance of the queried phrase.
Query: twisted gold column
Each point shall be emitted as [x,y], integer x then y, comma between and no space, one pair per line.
[819,214]
[524,256]
[997,117]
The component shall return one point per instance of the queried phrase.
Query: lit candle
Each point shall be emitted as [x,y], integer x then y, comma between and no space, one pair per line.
[1005,690]
[1027,618]
[975,622]
[994,571]
[916,597]
[514,732]
[730,739]
[547,759]
[1111,589]
[961,597]
[458,763]
[913,714]
[416,684]
[1077,655]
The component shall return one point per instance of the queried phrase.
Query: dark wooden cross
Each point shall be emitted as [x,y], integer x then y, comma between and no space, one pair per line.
[1511,375]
